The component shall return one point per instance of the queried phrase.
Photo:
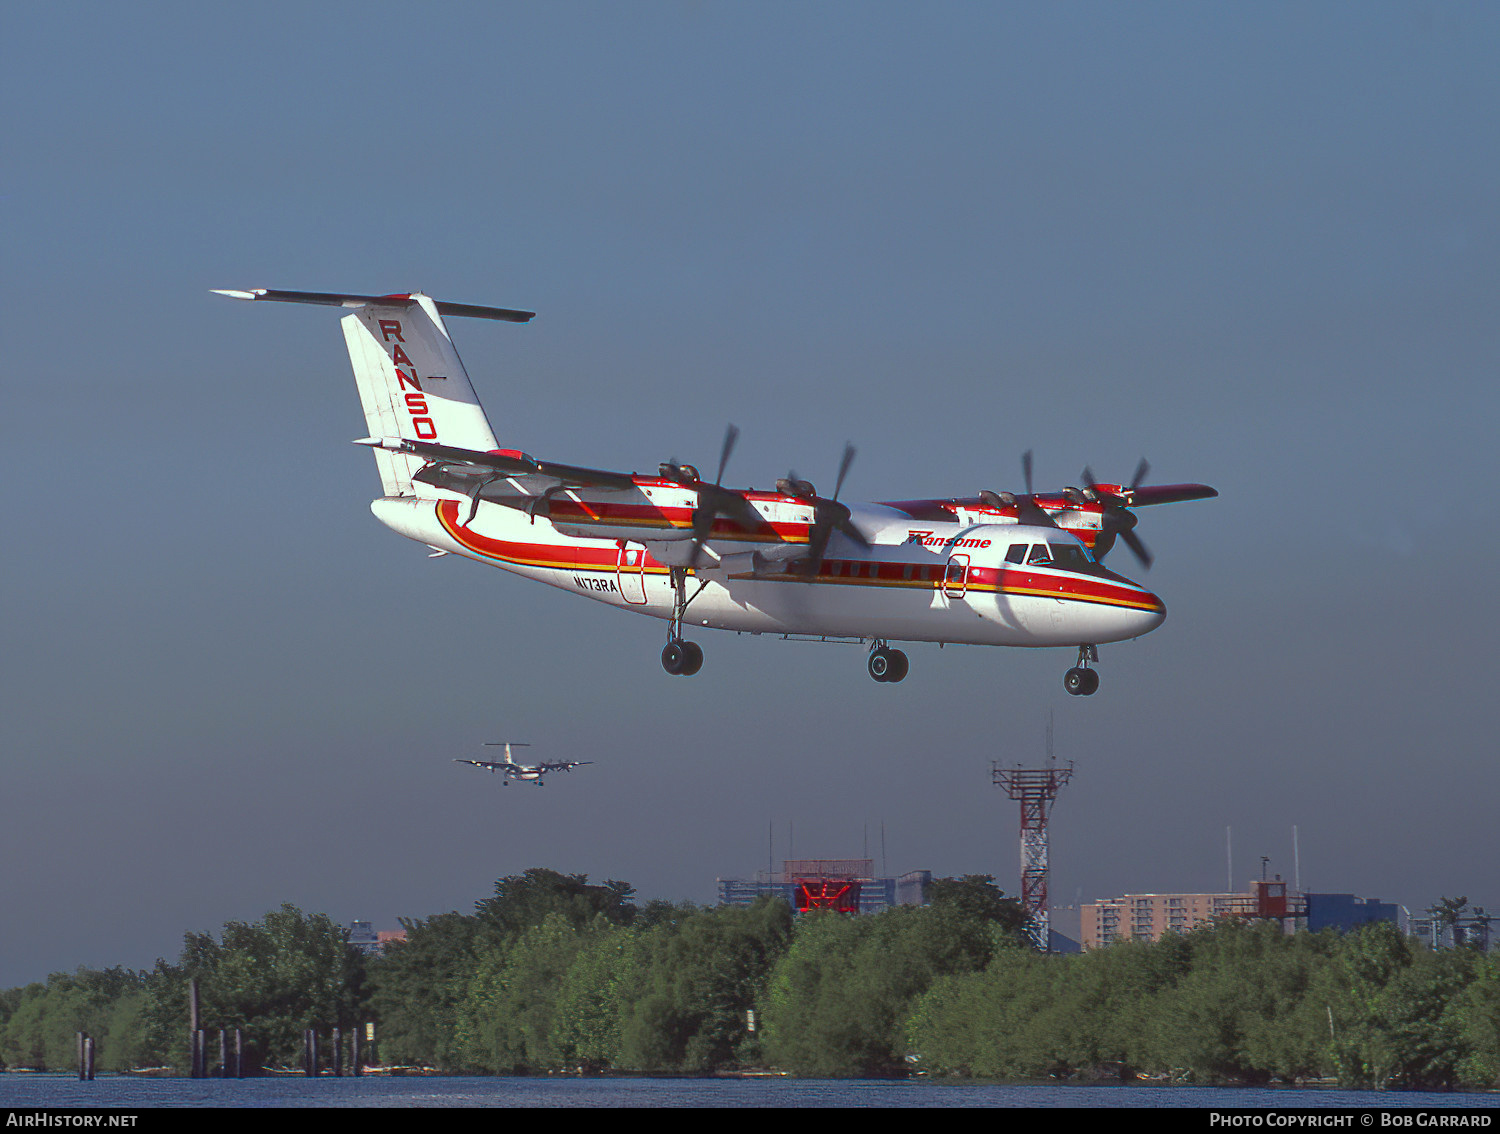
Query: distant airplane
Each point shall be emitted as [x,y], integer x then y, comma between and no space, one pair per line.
[515,771]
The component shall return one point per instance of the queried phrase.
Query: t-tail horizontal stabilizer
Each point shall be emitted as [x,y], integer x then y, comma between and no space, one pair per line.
[339,299]
[411,382]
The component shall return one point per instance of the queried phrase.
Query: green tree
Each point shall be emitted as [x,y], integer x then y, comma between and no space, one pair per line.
[1102,1014]
[604,979]
[701,973]
[1238,1012]
[1387,1009]
[977,896]
[523,901]
[420,983]
[273,979]
[840,999]
[1474,1016]
[985,1024]
[41,1029]
[24,1041]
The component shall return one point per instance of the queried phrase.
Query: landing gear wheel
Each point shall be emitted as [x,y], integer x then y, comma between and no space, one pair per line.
[682,659]
[886,664]
[1080,682]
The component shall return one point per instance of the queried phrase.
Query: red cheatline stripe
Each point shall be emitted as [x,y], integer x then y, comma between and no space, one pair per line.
[571,557]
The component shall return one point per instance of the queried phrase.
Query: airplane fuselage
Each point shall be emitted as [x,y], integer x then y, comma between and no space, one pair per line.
[919,581]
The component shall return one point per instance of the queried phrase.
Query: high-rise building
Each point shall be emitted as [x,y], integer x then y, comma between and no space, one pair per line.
[1145,917]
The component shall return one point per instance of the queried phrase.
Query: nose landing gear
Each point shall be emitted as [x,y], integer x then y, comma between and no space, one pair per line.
[1081,681]
[886,664]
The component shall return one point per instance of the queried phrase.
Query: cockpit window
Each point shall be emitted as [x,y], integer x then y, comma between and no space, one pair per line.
[1072,557]
[1059,556]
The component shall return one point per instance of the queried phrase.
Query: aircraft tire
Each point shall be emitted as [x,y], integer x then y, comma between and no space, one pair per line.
[1076,681]
[674,657]
[694,660]
[899,666]
[879,664]
[1091,685]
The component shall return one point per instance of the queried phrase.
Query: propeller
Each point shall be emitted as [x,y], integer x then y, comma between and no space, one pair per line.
[828,515]
[1117,518]
[1028,511]
[713,499]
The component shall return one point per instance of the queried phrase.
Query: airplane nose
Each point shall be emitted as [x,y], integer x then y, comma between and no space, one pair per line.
[1152,617]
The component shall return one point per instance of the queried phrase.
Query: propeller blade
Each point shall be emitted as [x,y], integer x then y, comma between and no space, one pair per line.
[816,546]
[848,459]
[714,501]
[731,435]
[1090,489]
[847,527]
[828,515]
[1140,474]
[1133,542]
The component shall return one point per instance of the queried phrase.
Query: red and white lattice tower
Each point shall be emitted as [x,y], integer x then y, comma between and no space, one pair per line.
[1036,789]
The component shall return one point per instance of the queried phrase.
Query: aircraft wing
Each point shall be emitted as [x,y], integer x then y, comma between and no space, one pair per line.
[1169,493]
[486,764]
[511,464]
[598,503]
[563,765]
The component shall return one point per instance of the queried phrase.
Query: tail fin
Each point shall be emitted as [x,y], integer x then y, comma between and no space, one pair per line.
[411,382]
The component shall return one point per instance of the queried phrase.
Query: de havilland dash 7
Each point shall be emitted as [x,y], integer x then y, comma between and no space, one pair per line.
[517,771]
[997,568]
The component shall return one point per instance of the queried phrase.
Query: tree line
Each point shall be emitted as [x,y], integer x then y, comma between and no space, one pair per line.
[553,973]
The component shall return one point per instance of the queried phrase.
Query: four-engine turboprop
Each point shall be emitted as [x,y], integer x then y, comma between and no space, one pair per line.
[997,569]
[517,771]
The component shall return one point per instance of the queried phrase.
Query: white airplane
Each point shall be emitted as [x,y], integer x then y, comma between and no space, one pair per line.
[515,771]
[998,569]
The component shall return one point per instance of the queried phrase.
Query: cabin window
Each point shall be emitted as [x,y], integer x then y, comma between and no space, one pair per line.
[1016,554]
[1041,556]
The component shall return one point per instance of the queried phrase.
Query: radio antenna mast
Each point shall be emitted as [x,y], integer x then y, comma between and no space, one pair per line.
[1036,790]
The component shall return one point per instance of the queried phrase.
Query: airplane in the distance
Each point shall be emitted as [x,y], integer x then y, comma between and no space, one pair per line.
[997,568]
[516,771]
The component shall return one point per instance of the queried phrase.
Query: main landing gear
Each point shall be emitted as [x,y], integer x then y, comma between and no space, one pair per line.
[679,657]
[886,664]
[1081,681]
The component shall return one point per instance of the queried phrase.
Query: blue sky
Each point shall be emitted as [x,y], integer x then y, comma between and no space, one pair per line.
[1255,243]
